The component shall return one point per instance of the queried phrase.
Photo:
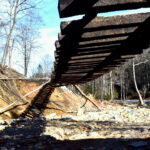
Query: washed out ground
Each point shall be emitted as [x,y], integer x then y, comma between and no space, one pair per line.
[64,125]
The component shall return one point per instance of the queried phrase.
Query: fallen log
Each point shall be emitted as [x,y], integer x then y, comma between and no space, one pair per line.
[87,98]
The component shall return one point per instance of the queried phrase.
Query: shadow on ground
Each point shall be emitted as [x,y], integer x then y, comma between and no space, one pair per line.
[25,134]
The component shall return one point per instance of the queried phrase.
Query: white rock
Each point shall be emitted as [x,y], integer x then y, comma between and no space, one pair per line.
[3,122]
[56,132]
[2,127]
[78,136]
[51,116]
[94,134]
[7,137]
[80,111]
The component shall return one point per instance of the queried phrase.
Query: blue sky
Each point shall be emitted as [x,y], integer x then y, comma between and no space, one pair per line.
[51,26]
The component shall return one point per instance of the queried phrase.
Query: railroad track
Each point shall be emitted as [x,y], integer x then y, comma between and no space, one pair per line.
[92,46]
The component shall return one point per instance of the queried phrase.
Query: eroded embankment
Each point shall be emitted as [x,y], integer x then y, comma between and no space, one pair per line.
[12,96]
[46,99]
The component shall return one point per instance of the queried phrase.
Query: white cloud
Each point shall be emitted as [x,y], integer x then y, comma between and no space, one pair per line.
[47,39]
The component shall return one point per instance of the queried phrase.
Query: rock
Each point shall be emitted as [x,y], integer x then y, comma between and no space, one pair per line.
[2,127]
[56,132]
[138,144]
[80,111]
[3,148]
[78,136]
[112,118]
[3,122]
[7,137]
[9,121]
[94,134]
[51,116]
[36,111]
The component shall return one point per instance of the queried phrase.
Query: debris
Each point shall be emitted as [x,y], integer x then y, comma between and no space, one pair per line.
[2,127]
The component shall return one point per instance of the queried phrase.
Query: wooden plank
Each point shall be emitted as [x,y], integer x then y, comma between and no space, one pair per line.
[80,67]
[103,35]
[83,64]
[93,38]
[135,43]
[73,74]
[103,49]
[128,56]
[87,54]
[102,41]
[76,68]
[84,57]
[76,61]
[78,71]
[99,39]
[95,50]
[105,23]
[90,56]
[100,44]
[69,8]
[86,60]
[98,49]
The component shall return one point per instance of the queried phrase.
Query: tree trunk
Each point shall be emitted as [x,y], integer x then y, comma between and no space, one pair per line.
[111,86]
[104,86]
[6,49]
[12,26]
[121,86]
[101,87]
[141,102]
[124,86]
[25,59]
[87,98]
[10,53]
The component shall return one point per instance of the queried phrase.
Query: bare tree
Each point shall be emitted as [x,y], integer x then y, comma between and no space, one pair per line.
[47,65]
[141,102]
[14,10]
[111,86]
[27,44]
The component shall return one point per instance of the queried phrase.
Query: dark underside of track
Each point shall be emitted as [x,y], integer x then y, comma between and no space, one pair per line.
[92,46]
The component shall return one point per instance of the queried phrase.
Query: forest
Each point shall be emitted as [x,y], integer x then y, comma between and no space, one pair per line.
[119,83]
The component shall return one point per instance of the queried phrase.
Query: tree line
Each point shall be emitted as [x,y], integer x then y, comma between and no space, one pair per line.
[19,24]
[124,82]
